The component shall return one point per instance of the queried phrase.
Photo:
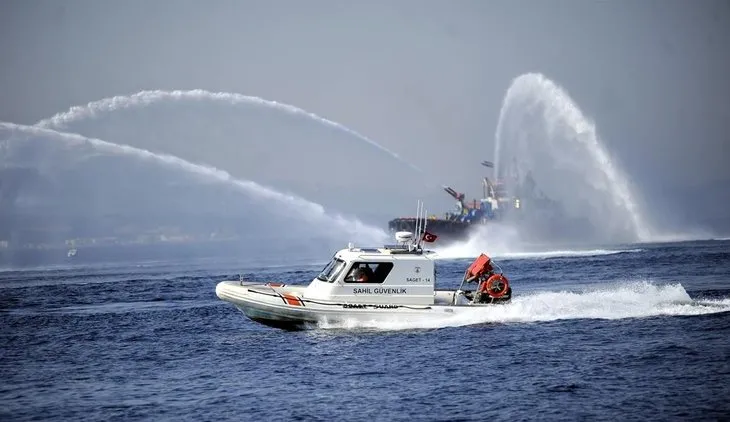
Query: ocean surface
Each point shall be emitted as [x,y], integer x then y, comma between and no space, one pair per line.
[636,332]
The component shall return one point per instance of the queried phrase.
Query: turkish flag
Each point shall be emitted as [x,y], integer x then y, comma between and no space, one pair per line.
[429,237]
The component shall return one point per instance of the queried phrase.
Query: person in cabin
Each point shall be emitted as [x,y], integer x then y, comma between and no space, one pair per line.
[360,275]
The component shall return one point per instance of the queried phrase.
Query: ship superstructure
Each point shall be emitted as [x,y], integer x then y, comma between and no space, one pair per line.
[497,203]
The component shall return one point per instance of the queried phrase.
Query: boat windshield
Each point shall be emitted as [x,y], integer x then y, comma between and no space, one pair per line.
[332,270]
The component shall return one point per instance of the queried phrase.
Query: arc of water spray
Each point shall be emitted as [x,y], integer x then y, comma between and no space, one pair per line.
[555,98]
[314,211]
[143,98]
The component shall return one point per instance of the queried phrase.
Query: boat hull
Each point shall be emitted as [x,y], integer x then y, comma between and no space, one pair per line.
[286,307]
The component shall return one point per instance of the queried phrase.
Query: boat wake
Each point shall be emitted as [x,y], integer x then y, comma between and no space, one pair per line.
[639,299]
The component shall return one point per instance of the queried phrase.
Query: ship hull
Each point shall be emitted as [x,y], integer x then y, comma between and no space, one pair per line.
[447,231]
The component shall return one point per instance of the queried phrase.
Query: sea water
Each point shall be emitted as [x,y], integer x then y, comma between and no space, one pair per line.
[635,332]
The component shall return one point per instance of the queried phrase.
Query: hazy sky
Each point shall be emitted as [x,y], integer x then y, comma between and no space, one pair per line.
[424,78]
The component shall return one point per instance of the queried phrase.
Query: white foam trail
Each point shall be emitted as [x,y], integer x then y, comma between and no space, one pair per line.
[504,242]
[566,253]
[639,299]
[306,210]
[493,239]
[680,237]
[143,98]
[560,109]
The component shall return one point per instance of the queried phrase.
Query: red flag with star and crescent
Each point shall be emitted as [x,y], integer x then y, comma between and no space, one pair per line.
[429,237]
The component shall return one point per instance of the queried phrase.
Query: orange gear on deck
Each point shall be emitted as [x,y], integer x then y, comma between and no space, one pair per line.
[482,265]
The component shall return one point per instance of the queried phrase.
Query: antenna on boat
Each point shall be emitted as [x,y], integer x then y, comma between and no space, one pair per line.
[415,230]
[423,228]
[419,226]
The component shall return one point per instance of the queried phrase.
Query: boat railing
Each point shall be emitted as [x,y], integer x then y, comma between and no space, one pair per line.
[396,247]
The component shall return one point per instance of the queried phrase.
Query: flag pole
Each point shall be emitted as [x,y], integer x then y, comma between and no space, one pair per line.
[425,221]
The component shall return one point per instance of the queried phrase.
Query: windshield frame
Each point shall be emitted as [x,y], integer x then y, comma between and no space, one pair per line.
[332,270]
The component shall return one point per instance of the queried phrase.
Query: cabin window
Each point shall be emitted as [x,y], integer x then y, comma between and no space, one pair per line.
[376,272]
[332,270]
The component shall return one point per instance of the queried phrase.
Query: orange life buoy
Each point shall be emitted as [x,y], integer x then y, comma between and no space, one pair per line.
[496,286]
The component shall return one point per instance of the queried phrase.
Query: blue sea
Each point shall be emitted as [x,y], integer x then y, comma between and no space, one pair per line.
[635,332]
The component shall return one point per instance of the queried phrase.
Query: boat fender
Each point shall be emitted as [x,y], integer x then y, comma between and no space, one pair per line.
[495,286]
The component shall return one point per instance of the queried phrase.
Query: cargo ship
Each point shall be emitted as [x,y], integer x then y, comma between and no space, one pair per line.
[496,204]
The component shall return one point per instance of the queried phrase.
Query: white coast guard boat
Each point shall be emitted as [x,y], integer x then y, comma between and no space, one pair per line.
[389,283]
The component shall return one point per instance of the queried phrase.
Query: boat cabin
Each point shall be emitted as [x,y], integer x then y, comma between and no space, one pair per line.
[391,275]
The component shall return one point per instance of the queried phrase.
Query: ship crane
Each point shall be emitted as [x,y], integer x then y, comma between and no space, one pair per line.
[458,196]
